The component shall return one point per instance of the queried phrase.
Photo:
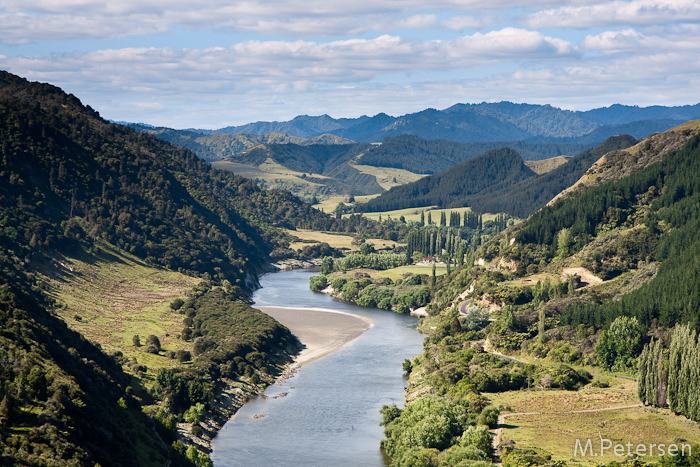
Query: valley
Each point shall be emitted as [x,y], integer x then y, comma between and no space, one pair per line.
[554,279]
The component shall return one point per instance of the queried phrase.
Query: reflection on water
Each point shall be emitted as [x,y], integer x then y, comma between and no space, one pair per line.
[330,415]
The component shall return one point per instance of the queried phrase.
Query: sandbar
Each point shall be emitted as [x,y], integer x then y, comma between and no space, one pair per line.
[320,330]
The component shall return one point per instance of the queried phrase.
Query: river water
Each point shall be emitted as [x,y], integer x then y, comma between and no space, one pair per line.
[330,415]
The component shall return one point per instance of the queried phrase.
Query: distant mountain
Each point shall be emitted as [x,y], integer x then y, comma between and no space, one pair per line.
[617,114]
[302,126]
[502,121]
[217,146]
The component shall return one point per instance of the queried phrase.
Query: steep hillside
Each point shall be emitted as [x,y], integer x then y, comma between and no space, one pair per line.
[620,164]
[78,193]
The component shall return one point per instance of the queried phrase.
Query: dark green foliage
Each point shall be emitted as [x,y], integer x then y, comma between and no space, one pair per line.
[417,155]
[318,283]
[683,377]
[455,187]
[674,192]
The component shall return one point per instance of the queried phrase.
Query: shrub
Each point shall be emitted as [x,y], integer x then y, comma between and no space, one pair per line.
[153,340]
[183,356]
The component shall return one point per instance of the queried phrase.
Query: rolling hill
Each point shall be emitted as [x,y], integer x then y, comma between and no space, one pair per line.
[497,181]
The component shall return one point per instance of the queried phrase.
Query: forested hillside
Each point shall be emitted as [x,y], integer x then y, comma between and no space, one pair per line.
[494,182]
[606,277]
[75,186]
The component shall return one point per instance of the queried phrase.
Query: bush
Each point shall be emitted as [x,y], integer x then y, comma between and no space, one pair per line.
[183,356]
[153,340]
[318,283]
[150,348]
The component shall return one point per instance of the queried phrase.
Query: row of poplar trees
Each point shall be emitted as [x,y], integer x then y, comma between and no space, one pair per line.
[672,374]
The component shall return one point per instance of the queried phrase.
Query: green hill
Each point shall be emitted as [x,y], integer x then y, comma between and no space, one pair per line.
[594,283]
[497,181]
[77,190]
[454,187]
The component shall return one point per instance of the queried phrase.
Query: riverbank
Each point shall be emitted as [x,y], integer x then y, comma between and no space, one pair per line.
[321,331]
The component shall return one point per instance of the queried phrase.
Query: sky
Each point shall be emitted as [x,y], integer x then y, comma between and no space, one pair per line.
[215,63]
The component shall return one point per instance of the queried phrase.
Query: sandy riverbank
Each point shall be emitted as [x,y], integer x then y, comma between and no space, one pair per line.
[320,330]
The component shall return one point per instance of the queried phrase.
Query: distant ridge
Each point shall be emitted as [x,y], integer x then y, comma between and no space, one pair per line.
[501,121]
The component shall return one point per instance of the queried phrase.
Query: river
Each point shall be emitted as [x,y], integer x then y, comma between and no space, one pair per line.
[330,415]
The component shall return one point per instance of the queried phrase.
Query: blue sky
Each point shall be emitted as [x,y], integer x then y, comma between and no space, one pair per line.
[213,63]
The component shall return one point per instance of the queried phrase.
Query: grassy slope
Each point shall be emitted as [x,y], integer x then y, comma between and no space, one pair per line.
[547,165]
[112,296]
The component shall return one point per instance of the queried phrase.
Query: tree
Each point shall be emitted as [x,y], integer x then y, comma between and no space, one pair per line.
[136,340]
[327,265]
[620,344]
[563,243]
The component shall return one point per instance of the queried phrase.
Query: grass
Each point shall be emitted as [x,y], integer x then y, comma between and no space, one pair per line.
[413,214]
[398,273]
[330,203]
[547,165]
[336,240]
[110,296]
[389,177]
[557,433]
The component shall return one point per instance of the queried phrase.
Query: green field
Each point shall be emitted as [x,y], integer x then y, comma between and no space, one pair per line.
[551,420]
[336,240]
[413,214]
[398,273]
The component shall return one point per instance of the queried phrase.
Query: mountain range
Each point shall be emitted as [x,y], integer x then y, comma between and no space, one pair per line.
[502,121]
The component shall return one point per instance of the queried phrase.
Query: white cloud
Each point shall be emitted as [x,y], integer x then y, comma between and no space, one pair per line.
[670,40]
[245,63]
[27,21]
[636,12]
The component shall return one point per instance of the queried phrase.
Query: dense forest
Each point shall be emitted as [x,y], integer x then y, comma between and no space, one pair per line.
[498,184]
[455,187]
